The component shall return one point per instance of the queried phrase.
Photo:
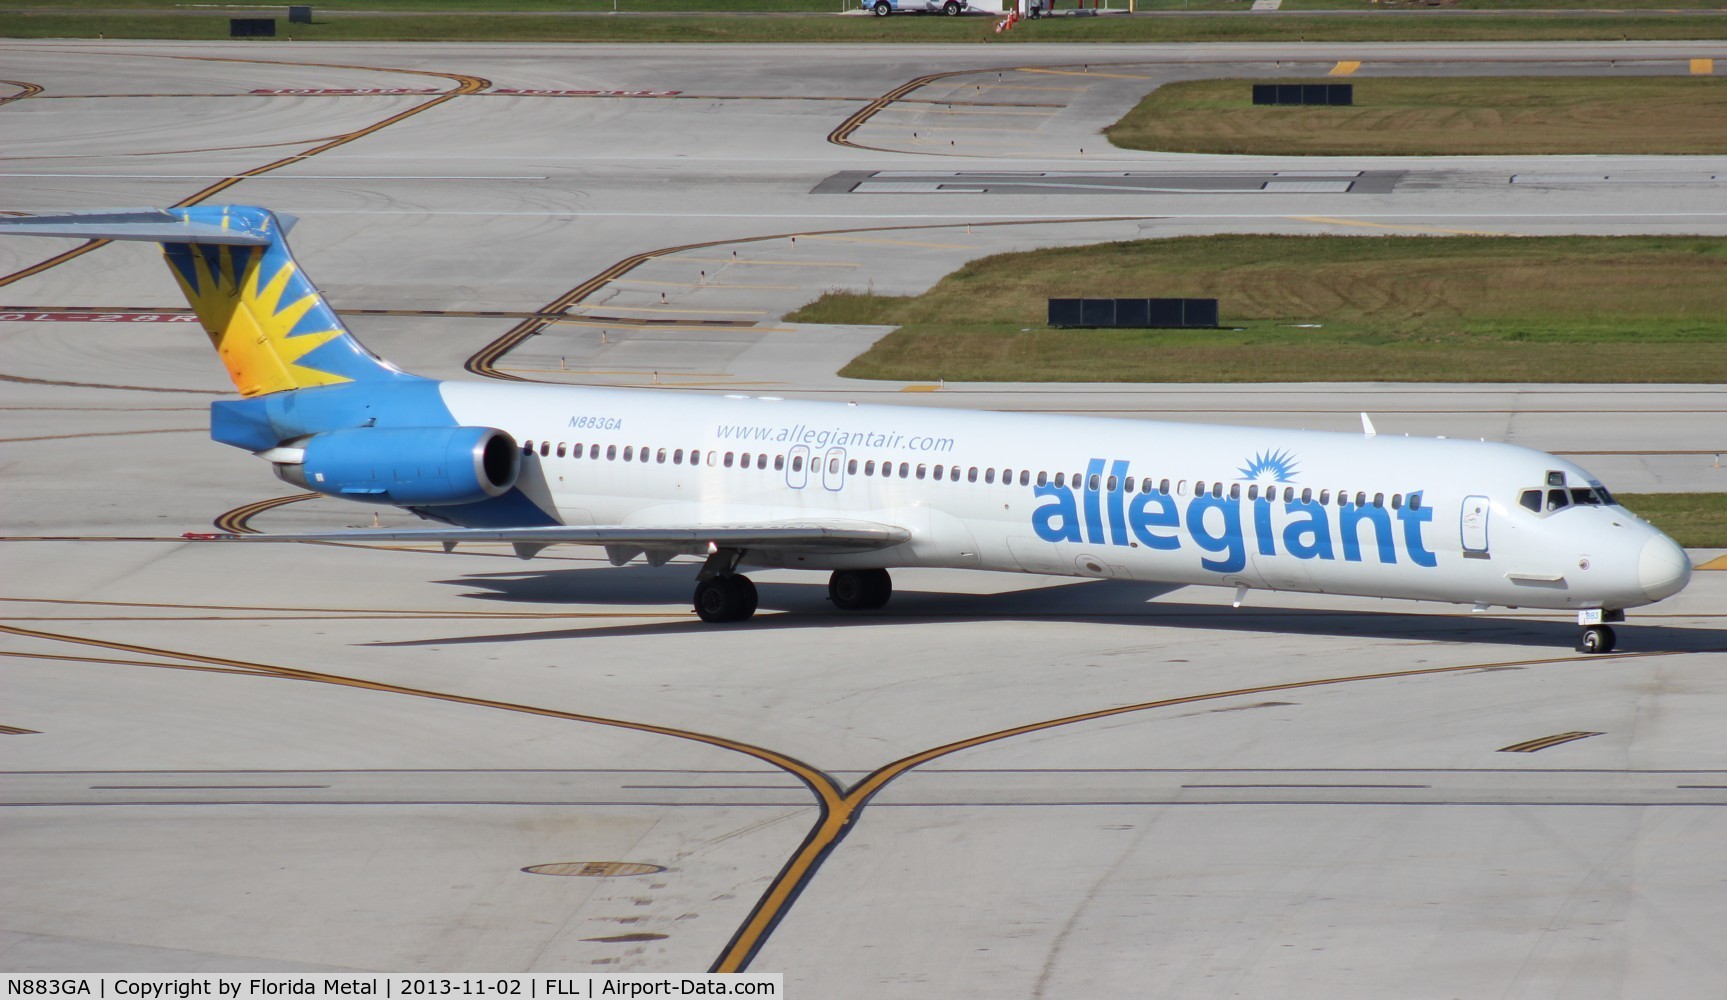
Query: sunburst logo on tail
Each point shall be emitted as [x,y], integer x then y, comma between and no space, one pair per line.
[1270,467]
[265,318]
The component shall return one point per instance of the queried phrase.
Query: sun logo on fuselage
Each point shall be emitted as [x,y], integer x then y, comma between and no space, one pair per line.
[1269,467]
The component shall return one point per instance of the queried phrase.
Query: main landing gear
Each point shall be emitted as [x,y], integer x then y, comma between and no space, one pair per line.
[1597,635]
[725,595]
[860,589]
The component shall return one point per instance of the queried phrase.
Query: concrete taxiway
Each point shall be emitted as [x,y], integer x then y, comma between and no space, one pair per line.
[221,757]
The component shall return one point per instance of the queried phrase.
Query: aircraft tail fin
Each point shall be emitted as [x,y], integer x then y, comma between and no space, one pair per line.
[269,323]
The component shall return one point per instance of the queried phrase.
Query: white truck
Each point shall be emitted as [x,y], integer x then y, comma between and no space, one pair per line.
[882,8]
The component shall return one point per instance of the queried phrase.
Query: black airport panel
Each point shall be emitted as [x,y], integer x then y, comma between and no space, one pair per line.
[299,15]
[1064,312]
[1333,94]
[1136,314]
[251,27]
[1097,312]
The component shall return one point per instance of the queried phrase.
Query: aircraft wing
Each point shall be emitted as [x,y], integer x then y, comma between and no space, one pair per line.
[809,536]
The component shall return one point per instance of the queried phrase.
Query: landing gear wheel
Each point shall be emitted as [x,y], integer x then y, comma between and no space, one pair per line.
[860,589]
[882,10]
[725,598]
[1597,639]
[951,8]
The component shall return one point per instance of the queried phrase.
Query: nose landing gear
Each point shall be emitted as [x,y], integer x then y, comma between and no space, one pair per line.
[1598,635]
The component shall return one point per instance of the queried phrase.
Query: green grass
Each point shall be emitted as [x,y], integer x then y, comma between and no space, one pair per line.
[1452,117]
[1321,308]
[128,22]
[1694,520]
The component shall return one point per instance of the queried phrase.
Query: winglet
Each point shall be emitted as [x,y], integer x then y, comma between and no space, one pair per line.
[1367,426]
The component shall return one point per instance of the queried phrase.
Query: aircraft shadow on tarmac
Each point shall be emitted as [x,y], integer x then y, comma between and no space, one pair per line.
[1113,602]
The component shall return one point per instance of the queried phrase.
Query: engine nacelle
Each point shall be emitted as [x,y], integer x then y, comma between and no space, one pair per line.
[408,466]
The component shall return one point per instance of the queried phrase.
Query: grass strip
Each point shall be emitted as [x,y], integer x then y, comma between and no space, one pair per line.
[1440,117]
[1320,308]
[1383,27]
[1694,520]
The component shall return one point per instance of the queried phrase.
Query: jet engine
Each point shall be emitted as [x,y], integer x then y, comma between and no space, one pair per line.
[404,466]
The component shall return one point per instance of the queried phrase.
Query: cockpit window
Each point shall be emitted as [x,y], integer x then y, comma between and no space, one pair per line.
[1530,499]
[1585,495]
[1558,500]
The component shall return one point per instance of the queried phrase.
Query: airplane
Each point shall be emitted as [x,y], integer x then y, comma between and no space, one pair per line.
[761,481]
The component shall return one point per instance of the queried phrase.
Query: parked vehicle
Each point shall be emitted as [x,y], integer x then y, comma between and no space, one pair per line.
[882,8]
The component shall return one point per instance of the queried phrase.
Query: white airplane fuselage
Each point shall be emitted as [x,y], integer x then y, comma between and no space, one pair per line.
[1389,516]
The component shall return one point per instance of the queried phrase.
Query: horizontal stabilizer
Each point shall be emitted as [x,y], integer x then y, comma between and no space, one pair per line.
[831,536]
[153,224]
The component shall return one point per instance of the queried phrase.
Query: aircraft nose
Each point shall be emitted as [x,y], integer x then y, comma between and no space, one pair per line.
[1663,569]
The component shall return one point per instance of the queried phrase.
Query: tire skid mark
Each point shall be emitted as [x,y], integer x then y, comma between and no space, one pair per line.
[26,90]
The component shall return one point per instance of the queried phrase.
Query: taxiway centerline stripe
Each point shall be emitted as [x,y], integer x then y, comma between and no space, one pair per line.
[26,90]
[820,784]
[467,85]
[780,895]
[236,521]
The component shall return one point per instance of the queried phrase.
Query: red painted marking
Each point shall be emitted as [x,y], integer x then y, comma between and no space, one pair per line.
[341,91]
[584,93]
[80,317]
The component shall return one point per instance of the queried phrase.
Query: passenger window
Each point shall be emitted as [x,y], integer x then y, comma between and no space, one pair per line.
[1378,499]
[869,467]
[611,452]
[852,467]
[744,460]
[576,452]
[762,462]
[1396,501]
[922,470]
[1181,488]
[1235,491]
[1556,500]
[545,449]
[1360,499]
[1217,491]
[1007,477]
[528,447]
[1324,497]
[953,473]
[1530,499]
[1110,484]
[1024,477]
[1091,484]
[627,453]
[593,451]
[797,463]
[989,476]
[645,455]
[905,470]
[728,462]
[1127,484]
[779,463]
[1307,495]
[833,466]
[1060,480]
[971,474]
[1199,487]
[561,447]
[1253,491]
[678,457]
[939,472]
[1043,479]
[1414,501]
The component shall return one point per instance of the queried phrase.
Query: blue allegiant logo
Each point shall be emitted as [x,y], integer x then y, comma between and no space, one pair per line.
[1221,522]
